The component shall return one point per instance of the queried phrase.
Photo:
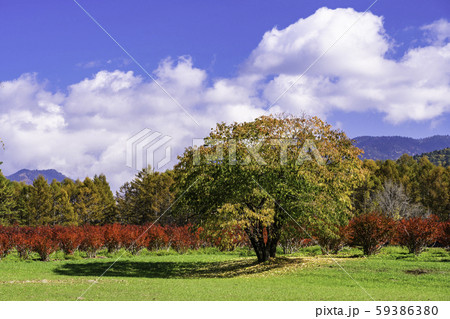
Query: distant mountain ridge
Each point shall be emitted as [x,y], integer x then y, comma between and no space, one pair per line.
[439,157]
[28,176]
[392,147]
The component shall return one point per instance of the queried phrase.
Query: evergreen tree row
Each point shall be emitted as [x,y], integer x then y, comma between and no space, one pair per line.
[67,203]
[141,201]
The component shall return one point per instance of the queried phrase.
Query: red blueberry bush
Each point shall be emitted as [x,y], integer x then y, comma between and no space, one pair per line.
[156,237]
[43,242]
[22,240]
[69,238]
[416,233]
[444,234]
[224,238]
[134,238]
[183,238]
[371,231]
[5,244]
[93,239]
[113,237]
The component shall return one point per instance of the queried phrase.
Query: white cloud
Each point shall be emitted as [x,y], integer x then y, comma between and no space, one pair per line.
[84,131]
[354,74]
[438,32]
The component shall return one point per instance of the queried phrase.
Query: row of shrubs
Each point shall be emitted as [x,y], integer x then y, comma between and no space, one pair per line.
[45,240]
[369,231]
[372,231]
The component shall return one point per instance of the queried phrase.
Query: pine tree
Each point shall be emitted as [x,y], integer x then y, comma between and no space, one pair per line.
[8,215]
[62,210]
[86,203]
[107,201]
[146,198]
[22,199]
[41,202]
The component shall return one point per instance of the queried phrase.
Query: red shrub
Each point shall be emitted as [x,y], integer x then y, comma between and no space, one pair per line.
[416,233]
[43,242]
[183,238]
[92,239]
[22,240]
[444,234]
[178,238]
[68,238]
[5,244]
[156,237]
[134,238]
[113,237]
[371,231]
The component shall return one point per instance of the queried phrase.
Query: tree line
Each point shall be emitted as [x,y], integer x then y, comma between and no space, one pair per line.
[404,188]
[258,176]
[91,201]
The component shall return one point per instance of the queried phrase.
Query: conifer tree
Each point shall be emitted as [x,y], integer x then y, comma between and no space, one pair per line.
[22,199]
[86,203]
[107,201]
[62,210]
[7,211]
[146,198]
[41,202]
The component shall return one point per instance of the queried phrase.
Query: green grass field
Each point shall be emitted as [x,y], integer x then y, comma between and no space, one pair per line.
[208,275]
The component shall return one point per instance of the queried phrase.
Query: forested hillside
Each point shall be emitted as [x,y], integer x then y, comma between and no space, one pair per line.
[392,147]
[440,157]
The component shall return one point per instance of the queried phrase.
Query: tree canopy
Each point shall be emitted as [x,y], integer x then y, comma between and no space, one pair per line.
[260,174]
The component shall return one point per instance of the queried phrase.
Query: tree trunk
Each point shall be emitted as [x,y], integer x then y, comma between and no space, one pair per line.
[263,250]
[255,232]
[274,234]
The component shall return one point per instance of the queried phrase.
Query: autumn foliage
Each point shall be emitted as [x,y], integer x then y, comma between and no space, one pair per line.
[43,241]
[69,238]
[416,233]
[5,243]
[92,239]
[371,231]
[444,234]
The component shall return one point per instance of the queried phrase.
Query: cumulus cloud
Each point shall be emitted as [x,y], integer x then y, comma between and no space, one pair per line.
[354,74]
[438,32]
[84,131]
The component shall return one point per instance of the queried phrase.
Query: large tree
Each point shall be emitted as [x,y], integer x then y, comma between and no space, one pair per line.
[260,174]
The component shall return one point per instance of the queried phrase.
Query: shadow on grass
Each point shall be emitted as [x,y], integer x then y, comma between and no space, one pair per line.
[164,269]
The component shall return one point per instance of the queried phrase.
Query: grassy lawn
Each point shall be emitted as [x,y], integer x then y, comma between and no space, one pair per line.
[209,275]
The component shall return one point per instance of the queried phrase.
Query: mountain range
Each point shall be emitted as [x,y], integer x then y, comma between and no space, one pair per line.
[392,147]
[28,176]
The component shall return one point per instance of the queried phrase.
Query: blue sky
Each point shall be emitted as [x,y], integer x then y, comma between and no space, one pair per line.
[57,66]
[53,37]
